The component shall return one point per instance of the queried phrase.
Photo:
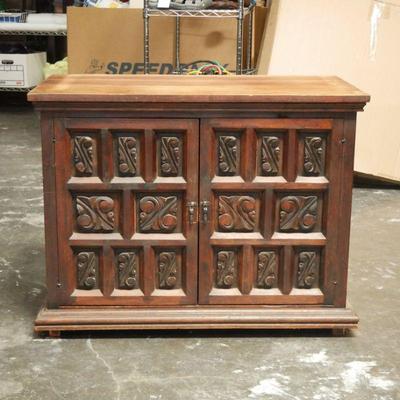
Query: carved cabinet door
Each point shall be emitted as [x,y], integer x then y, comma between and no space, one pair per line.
[127,228]
[267,187]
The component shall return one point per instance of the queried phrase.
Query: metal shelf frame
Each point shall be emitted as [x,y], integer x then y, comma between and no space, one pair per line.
[210,13]
[32,33]
[239,14]
[15,89]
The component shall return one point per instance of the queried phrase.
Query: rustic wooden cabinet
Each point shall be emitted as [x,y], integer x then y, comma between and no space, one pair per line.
[196,202]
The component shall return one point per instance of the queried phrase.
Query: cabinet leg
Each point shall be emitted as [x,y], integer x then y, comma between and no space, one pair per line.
[54,334]
[339,332]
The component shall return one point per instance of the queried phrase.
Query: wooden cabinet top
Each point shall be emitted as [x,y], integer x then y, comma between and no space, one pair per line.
[196,89]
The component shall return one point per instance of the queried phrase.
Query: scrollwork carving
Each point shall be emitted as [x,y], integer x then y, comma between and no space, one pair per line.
[167,267]
[226,269]
[266,269]
[95,214]
[307,269]
[83,155]
[170,156]
[298,213]
[158,213]
[127,156]
[270,155]
[237,213]
[127,270]
[313,155]
[228,155]
[87,270]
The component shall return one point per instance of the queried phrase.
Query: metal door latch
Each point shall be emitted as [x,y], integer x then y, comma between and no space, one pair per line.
[192,206]
[205,209]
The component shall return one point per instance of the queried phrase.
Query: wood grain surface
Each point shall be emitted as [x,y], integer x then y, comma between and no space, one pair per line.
[194,318]
[196,89]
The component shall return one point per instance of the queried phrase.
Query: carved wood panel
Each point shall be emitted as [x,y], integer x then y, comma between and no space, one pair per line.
[246,209]
[298,213]
[267,270]
[226,269]
[228,155]
[127,270]
[127,148]
[170,158]
[168,270]
[87,270]
[95,214]
[237,213]
[158,214]
[262,204]
[314,156]
[123,185]
[308,269]
[271,155]
[83,155]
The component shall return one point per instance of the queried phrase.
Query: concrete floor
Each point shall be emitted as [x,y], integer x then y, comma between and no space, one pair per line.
[191,366]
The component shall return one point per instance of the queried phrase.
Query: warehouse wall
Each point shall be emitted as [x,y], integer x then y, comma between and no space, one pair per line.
[358,40]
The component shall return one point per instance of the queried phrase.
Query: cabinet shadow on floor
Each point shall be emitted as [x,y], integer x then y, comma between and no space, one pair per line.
[209,333]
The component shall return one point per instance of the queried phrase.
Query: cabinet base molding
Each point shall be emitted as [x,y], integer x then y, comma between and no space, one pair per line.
[98,319]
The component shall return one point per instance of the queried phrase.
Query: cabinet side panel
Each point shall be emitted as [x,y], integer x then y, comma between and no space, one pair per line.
[50,207]
[348,141]
[333,223]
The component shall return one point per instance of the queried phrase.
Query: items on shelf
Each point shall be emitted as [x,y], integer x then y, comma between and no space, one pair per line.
[199,4]
[208,68]
[10,16]
[37,24]
[14,48]
[228,4]
[182,4]
[105,3]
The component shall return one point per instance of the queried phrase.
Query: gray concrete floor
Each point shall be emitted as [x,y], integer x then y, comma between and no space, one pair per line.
[227,366]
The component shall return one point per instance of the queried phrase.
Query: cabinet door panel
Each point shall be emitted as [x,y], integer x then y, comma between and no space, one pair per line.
[269,186]
[125,236]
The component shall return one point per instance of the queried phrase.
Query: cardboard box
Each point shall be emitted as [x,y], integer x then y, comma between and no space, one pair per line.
[204,39]
[22,70]
[111,40]
[357,40]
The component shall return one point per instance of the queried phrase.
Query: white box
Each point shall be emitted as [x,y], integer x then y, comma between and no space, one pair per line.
[22,70]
